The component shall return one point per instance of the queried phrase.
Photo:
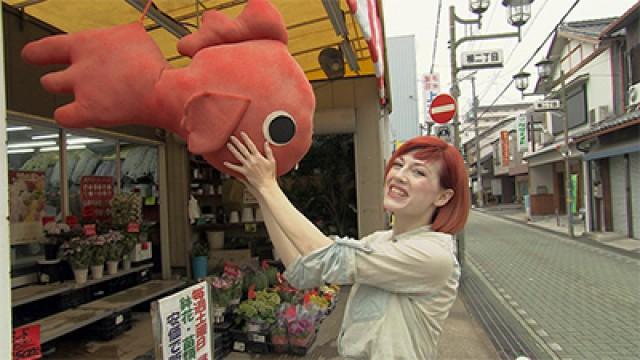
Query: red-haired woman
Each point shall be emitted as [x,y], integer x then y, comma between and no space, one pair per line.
[405,279]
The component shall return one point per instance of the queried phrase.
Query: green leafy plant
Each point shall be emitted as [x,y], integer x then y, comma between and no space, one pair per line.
[200,248]
[127,244]
[262,308]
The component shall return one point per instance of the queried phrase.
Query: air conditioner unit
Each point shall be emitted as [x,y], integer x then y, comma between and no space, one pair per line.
[634,95]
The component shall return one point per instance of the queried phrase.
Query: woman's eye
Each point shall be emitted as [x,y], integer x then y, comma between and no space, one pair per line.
[397,165]
[420,173]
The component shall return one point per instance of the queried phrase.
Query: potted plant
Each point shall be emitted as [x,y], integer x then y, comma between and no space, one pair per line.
[98,256]
[221,292]
[77,252]
[112,250]
[200,259]
[55,235]
[279,338]
[127,244]
[259,313]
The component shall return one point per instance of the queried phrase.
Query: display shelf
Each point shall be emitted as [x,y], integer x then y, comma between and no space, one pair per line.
[31,293]
[67,321]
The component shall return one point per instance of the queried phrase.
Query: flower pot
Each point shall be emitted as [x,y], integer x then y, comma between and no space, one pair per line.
[126,264]
[97,271]
[279,339]
[199,266]
[112,267]
[49,271]
[80,275]
[300,340]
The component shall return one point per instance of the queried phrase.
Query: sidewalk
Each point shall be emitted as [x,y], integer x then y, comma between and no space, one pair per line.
[558,225]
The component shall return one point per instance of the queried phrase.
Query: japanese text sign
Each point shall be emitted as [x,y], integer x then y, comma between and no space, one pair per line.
[26,343]
[185,324]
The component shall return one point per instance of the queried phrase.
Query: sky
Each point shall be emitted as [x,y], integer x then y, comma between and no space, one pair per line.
[419,18]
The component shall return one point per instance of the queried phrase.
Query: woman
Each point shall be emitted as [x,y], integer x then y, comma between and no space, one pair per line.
[405,279]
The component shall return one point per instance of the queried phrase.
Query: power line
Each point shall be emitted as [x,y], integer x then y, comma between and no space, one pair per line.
[513,50]
[435,39]
[532,55]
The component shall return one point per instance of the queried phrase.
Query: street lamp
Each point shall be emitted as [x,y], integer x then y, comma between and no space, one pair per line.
[544,68]
[518,12]
[478,6]
[521,80]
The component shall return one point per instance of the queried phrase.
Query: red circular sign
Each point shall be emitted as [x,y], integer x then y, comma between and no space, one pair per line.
[443,108]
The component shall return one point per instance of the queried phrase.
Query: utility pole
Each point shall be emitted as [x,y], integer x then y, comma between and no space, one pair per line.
[474,111]
[567,168]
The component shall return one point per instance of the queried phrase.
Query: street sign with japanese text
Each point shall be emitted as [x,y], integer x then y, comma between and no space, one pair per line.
[481,59]
[523,134]
[443,108]
[546,105]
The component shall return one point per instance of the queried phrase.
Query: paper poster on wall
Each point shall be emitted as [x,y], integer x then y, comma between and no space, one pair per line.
[185,324]
[26,205]
[26,342]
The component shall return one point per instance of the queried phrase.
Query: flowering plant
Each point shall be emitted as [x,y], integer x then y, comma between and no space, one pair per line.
[112,245]
[77,252]
[127,244]
[98,250]
[222,289]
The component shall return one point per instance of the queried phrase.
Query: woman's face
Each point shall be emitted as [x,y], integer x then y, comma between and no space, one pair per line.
[412,187]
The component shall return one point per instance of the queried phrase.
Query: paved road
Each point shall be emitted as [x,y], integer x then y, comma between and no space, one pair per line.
[579,301]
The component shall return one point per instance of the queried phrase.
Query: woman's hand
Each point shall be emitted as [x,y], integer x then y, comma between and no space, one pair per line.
[259,170]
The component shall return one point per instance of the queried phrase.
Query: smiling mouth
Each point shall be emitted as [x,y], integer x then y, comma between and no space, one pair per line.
[396,192]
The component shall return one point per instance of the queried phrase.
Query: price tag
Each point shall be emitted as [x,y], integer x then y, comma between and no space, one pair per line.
[259,338]
[119,319]
[238,346]
[89,229]
[250,227]
[150,200]
[133,228]
[26,343]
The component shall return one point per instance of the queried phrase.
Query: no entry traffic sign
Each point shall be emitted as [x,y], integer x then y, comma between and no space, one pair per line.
[443,108]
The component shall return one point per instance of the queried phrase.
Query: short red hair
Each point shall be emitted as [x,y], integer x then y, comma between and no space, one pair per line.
[451,217]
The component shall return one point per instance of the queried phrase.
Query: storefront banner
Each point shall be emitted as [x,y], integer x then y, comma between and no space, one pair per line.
[26,342]
[523,134]
[26,205]
[186,329]
[504,144]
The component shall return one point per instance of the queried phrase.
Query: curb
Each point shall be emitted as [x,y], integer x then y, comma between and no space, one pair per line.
[582,239]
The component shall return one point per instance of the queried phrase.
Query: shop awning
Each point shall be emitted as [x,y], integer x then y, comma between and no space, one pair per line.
[309,26]
[613,151]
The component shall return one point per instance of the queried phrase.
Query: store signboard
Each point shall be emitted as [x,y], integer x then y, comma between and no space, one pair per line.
[185,324]
[504,143]
[26,342]
[523,134]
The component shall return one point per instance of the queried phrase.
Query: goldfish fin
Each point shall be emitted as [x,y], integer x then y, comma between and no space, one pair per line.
[210,118]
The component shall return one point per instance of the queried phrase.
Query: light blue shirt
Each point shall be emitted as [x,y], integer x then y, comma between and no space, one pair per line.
[403,289]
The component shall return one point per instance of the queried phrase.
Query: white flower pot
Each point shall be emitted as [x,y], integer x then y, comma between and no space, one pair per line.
[97,271]
[112,267]
[126,264]
[80,275]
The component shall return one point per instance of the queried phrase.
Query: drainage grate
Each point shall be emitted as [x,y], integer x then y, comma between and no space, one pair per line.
[507,340]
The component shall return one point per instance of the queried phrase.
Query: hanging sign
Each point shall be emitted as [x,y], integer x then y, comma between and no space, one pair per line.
[185,324]
[504,143]
[523,134]
[482,59]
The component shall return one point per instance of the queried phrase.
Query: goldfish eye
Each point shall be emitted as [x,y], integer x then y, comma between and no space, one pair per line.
[279,128]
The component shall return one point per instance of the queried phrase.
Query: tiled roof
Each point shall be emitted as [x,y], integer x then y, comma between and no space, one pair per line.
[591,28]
[613,122]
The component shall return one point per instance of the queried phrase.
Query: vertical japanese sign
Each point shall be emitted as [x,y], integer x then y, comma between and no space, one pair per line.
[430,89]
[504,143]
[26,343]
[186,329]
[523,134]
